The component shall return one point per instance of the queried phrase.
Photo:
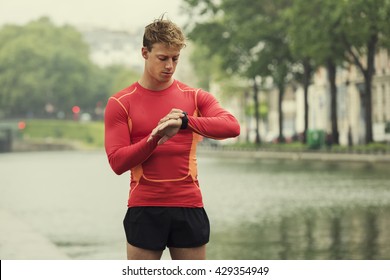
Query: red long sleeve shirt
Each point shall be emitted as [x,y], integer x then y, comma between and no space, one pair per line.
[162,175]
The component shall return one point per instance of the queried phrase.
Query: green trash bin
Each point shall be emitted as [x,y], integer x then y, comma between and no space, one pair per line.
[315,138]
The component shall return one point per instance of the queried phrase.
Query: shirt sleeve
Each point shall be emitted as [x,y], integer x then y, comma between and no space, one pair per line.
[214,121]
[122,154]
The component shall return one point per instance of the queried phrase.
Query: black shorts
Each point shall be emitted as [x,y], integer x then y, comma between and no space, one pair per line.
[154,228]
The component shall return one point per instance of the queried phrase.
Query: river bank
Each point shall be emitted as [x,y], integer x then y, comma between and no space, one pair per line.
[227,152]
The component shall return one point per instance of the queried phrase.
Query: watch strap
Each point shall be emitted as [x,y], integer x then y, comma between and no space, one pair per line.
[184,121]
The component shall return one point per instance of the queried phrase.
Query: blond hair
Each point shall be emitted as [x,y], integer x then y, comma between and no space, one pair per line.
[163,31]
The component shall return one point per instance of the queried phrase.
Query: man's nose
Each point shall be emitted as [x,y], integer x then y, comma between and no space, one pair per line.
[169,64]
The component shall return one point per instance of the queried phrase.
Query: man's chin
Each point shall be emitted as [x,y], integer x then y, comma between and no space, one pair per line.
[166,78]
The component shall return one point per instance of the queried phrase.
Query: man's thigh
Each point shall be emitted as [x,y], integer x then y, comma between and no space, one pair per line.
[135,253]
[197,253]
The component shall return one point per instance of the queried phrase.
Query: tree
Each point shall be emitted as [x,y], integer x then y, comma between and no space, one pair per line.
[365,28]
[120,77]
[326,33]
[44,66]
[249,39]
[315,40]
[273,56]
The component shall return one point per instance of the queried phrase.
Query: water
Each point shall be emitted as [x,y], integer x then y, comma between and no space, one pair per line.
[258,209]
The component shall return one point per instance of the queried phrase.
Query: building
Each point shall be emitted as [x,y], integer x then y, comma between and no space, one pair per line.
[108,47]
[350,109]
[351,112]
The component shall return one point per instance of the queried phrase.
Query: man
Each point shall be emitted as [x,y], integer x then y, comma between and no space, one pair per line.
[152,128]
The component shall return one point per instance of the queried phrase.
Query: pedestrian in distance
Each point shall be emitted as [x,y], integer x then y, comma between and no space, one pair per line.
[152,128]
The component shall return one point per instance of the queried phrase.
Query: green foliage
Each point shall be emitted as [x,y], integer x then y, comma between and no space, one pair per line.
[365,18]
[87,133]
[120,77]
[250,40]
[288,39]
[205,65]
[263,110]
[314,30]
[42,64]
[209,69]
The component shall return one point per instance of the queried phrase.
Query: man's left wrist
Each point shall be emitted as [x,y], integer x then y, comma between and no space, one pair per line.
[184,121]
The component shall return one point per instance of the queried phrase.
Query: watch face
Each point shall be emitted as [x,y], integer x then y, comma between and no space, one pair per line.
[184,121]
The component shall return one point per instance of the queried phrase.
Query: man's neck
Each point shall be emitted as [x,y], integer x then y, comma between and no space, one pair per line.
[154,85]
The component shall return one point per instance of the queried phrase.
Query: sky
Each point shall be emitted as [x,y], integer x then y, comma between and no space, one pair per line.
[111,14]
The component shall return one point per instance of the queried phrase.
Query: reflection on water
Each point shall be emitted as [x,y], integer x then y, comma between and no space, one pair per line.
[258,209]
[271,209]
[345,234]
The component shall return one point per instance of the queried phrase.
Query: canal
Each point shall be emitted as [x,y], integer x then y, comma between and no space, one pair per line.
[258,209]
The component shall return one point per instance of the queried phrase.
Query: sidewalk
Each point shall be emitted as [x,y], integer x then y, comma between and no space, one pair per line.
[18,241]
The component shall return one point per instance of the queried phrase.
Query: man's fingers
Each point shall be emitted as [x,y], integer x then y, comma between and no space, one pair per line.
[166,130]
[174,110]
[162,126]
[171,116]
[163,140]
[169,123]
[154,132]
[174,114]
[158,129]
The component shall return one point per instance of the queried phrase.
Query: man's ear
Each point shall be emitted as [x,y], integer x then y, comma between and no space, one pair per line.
[145,52]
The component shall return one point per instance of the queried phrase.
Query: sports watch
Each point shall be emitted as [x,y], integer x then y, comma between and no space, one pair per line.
[184,121]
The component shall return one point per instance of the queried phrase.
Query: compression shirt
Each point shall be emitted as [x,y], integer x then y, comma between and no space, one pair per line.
[162,175]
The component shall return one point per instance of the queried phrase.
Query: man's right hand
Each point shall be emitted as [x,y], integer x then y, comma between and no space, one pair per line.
[168,126]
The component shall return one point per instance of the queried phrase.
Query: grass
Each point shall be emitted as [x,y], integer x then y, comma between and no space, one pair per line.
[88,134]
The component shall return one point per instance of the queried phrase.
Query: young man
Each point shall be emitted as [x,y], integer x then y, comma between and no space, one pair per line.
[152,129]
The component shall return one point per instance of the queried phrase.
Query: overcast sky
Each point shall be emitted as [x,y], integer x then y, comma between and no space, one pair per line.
[112,14]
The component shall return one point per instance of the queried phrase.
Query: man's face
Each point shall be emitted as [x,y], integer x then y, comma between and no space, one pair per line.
[161,62]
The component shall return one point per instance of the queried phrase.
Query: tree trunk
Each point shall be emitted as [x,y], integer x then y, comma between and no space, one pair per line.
[245,105]
[281,138]
[306,82]
[331,67]
[368,75]
[257,113]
